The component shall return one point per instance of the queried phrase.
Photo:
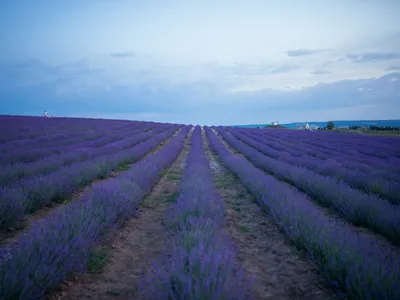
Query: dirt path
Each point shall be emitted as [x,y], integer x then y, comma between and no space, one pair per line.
[132,248]
[280,270]
[7,236]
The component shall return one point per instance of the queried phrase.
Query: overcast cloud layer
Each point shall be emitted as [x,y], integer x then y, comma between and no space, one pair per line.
[199,62]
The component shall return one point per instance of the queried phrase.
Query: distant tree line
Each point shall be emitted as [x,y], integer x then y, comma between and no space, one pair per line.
[329,126]
[384,128]
[357,127]
[377,128]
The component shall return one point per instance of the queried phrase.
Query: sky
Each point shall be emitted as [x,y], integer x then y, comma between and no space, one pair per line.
[201,62]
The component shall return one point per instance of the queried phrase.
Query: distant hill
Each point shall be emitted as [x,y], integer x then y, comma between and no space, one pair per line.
[367,123]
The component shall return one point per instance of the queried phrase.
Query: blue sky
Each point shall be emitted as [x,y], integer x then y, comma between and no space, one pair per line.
[201,62]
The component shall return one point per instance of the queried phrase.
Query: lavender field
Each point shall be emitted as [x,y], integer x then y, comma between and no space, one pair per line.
[113,209]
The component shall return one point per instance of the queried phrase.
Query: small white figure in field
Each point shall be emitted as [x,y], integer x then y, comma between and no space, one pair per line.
[46,115]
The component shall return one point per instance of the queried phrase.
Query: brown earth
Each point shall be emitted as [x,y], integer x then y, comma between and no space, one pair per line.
[9,235]
[132,247]
[280,270]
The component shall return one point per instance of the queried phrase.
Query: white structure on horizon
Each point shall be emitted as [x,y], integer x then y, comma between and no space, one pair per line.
[275,123]
[304,127]
[46,115]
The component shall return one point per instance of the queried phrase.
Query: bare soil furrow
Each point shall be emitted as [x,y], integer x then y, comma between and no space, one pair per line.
[132,247]
[280,270]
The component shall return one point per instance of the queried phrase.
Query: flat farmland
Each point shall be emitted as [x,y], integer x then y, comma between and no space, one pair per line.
[114,209]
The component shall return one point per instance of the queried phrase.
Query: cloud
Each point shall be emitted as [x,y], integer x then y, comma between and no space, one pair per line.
[244,69]
[283,69]
[321,72]
[197,94]
[332,62]
[126,54]
[304,52]
[372,57]
[241,72]
[34,72]
[393,68]
[378,42]
[28,63]
[139,116]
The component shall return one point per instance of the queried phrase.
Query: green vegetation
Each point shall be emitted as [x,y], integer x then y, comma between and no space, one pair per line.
[244,228]
[276,126]
[98,259]
[172,198]
[330,125]
[123,167]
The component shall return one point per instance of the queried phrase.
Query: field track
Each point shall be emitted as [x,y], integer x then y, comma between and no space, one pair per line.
[280,270]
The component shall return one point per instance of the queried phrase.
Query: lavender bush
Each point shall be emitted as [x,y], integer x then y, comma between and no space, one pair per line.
[14,155]
[78,153]
[351,261]
[59,244]
[33,131]
[44,189]
[359,180]
[356,207]
[47,143]
[201,264]
[315,144]
[351,158]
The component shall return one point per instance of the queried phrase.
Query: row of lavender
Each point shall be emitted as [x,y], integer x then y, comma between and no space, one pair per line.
[73,153]
[356,207]
[61,243]
[368,183]
[30,194]
[201,263]
[366,145]
[350,159]
[33,131]
[375,167]
[341,147]
[14,128]
[13,152]
[382,158]
[373,175]
[350,260]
